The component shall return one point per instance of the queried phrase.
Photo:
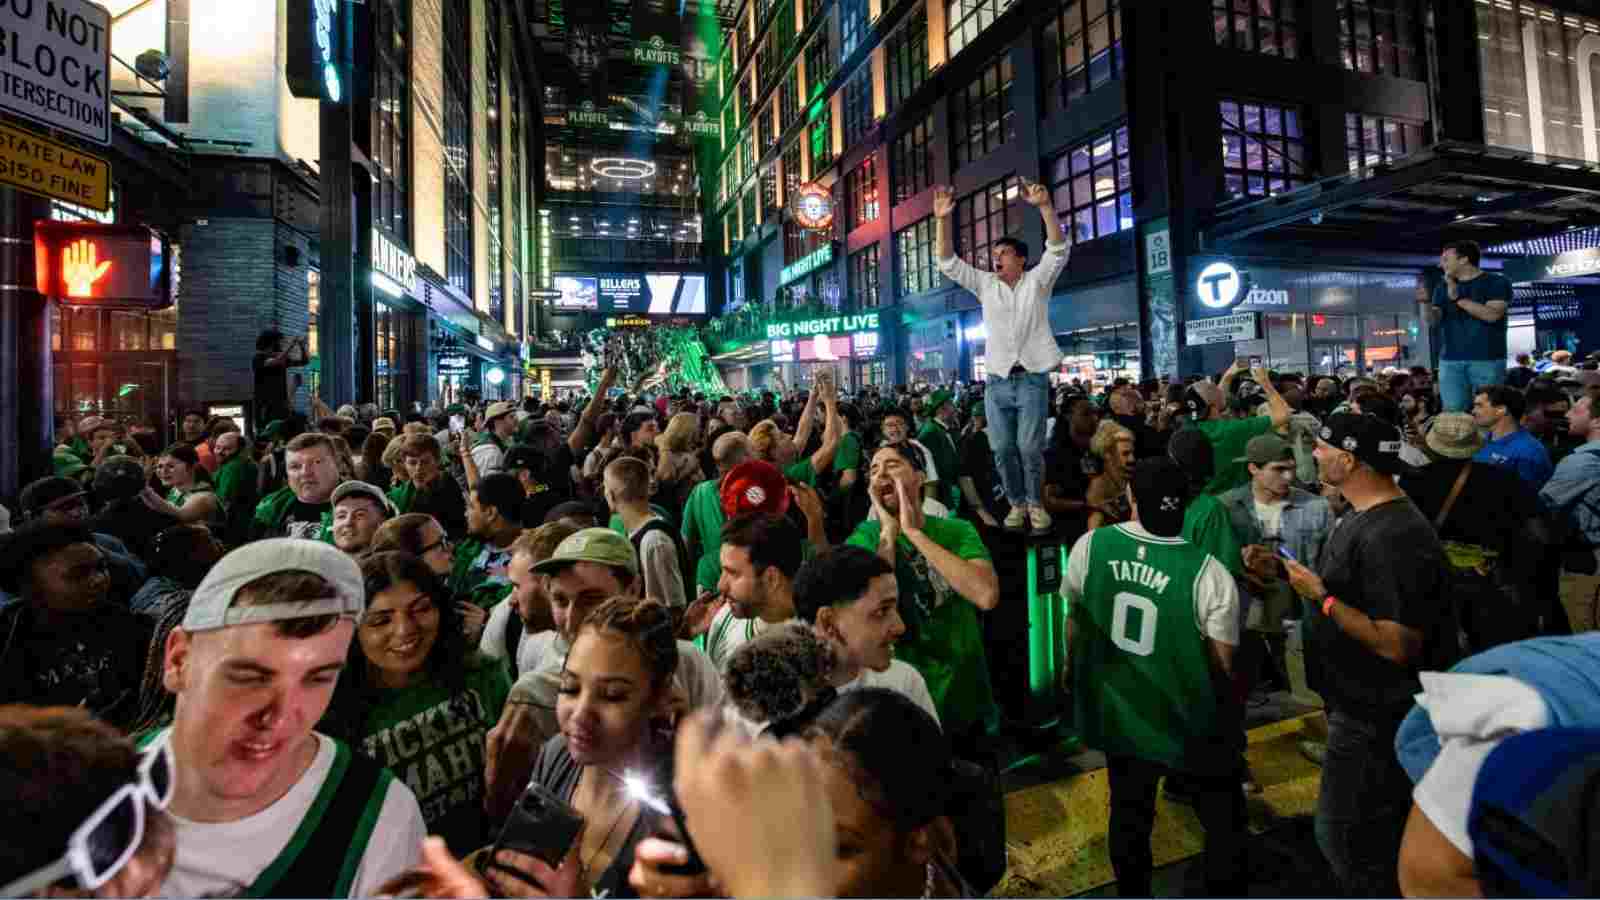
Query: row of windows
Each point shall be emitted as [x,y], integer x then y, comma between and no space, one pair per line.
[1374,35]
[457,146]
[861,192]
[491,145]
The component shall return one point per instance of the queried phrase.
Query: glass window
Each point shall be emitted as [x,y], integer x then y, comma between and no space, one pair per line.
[129,330]
[769,187]
[748,206]
[906,58]
[84,325]
[784,29]
[789,98]
[747,155]
[163,329]
[491,157]
[313,310]
[766,130]
[1091,186]
[914,246]
[966,19]
[1372,141]
[391,91]
[911,167]
[821,138]
[55,327]
[852,25]
[864,278]
[811,9]
[861,192]
[981,116]
[766,63]
[983,217]
[857,106]
[517,233]
[1263,149]
[799,242]
[1380,36]
[458,146]
[820,64]
[1082,49]
[791,169]
[1271,27]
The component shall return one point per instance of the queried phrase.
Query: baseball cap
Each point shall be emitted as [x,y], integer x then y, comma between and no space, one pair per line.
[211,606]
[1368,438]
[938,399]
[975,408]
[46,491]
[88,424]
[1453,435]
[522,457]
[595,545]
[354,488]
[1265,449]
[496,410]
[1161,490]
[269,431]
[754,486]
[118,478]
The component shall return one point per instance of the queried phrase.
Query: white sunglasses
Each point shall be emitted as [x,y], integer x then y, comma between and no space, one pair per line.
[108,838]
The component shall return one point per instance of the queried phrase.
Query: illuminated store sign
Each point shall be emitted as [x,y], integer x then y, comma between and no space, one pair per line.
[393,263]
[805,265]
[834,325]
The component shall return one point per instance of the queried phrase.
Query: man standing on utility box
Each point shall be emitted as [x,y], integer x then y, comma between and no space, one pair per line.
[1021,344]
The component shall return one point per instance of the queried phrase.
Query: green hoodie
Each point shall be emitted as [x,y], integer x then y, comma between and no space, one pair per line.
[482,587]
[273,510]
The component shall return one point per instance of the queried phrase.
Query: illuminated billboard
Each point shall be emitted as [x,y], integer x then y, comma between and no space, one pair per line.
[655,294]
[821,348]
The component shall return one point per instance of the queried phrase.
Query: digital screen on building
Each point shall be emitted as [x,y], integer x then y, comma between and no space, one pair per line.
[656,294]
[781,351]
[865,343]
[822,348]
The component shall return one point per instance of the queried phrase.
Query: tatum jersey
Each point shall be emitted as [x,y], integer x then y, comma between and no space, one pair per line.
[1142,608]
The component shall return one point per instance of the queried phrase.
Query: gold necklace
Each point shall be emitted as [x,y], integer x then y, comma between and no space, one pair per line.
[584,865]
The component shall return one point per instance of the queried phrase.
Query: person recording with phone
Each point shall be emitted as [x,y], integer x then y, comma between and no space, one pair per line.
[271,365]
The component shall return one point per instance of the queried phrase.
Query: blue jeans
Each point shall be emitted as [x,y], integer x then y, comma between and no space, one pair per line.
[1362,806]
[1016,407]
[1459,380]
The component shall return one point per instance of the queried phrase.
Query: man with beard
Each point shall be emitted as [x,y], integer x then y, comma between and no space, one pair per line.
[302,509]
[760,557]
[66,644]
[1127,409]
[264,805]
[1375,621]
[944,576]
[235,482]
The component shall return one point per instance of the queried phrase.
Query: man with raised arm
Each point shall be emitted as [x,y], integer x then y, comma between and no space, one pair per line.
[1021,345]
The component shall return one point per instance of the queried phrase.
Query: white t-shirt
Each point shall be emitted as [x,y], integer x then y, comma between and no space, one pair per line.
[1271,517]
[222,859]
[1216,598]
[1471,714]
[531,649]
[696,679]
[658,559]
[900,677]
[728,633]
[488,457]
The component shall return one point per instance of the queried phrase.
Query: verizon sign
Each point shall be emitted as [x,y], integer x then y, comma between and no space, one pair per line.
[1573,264]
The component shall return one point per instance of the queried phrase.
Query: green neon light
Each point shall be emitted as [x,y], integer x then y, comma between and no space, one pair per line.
[833,325]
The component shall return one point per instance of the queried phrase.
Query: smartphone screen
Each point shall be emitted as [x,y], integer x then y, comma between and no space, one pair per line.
[1284,552]
[1255,362]
[457,423]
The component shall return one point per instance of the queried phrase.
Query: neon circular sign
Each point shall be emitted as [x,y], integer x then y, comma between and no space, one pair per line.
[813,207]
[1220,285]
[622,168]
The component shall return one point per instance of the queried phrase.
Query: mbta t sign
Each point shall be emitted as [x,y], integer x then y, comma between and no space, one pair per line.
[1221,284]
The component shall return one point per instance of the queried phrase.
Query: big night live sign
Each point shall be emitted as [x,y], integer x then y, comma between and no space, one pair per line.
[114,265]
[833,325]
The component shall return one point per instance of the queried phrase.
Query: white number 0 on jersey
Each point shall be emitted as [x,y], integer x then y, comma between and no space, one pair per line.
[1144,643]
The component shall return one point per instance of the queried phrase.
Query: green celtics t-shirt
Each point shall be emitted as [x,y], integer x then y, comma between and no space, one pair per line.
[802,472]
[433,740]
[943,639]
[702,532]
[1228,437]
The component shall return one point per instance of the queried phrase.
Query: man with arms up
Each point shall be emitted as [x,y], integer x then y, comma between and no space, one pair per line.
[1153,628]
[265,806]
[1469,307]
[1016,314]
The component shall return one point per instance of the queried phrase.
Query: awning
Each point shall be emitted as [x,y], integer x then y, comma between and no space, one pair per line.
[1447,192]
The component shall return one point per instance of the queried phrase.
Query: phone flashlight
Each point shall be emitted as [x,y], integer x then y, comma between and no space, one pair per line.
[640,789]
[1284,552]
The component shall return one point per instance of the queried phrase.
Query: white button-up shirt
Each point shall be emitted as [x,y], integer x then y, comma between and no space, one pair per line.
[1017,319]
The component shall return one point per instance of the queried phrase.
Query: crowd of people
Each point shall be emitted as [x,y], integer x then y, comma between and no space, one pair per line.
[649,642]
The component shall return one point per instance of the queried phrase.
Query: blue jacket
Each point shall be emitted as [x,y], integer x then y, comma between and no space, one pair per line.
[1574,491]
[1564,670]
[1307,521]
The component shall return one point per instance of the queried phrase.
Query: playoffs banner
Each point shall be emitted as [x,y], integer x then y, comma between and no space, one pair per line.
[657,27]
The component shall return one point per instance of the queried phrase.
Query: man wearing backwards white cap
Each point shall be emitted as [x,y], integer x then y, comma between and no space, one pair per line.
[253,666]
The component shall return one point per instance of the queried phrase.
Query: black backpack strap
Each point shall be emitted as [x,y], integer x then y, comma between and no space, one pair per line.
[324,853]
[514,630]
[685,567]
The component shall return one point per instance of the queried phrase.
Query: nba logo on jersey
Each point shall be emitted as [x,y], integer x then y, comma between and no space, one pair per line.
[1141,553]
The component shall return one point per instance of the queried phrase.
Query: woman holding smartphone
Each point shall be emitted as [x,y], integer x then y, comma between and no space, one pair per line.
[615,688]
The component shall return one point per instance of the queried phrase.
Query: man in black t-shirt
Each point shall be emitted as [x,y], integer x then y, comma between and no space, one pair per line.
[271,366]
[544,469]
[1376,617]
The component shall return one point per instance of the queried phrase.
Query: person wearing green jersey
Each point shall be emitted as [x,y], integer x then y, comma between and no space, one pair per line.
[189,497]
[703,518]
[478,566]
[944,576]
[1207,403]
[235,480]
[1152,626]
[415,699]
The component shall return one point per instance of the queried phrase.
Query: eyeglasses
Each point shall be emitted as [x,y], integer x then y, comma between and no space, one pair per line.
[441,544]
[108,838]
